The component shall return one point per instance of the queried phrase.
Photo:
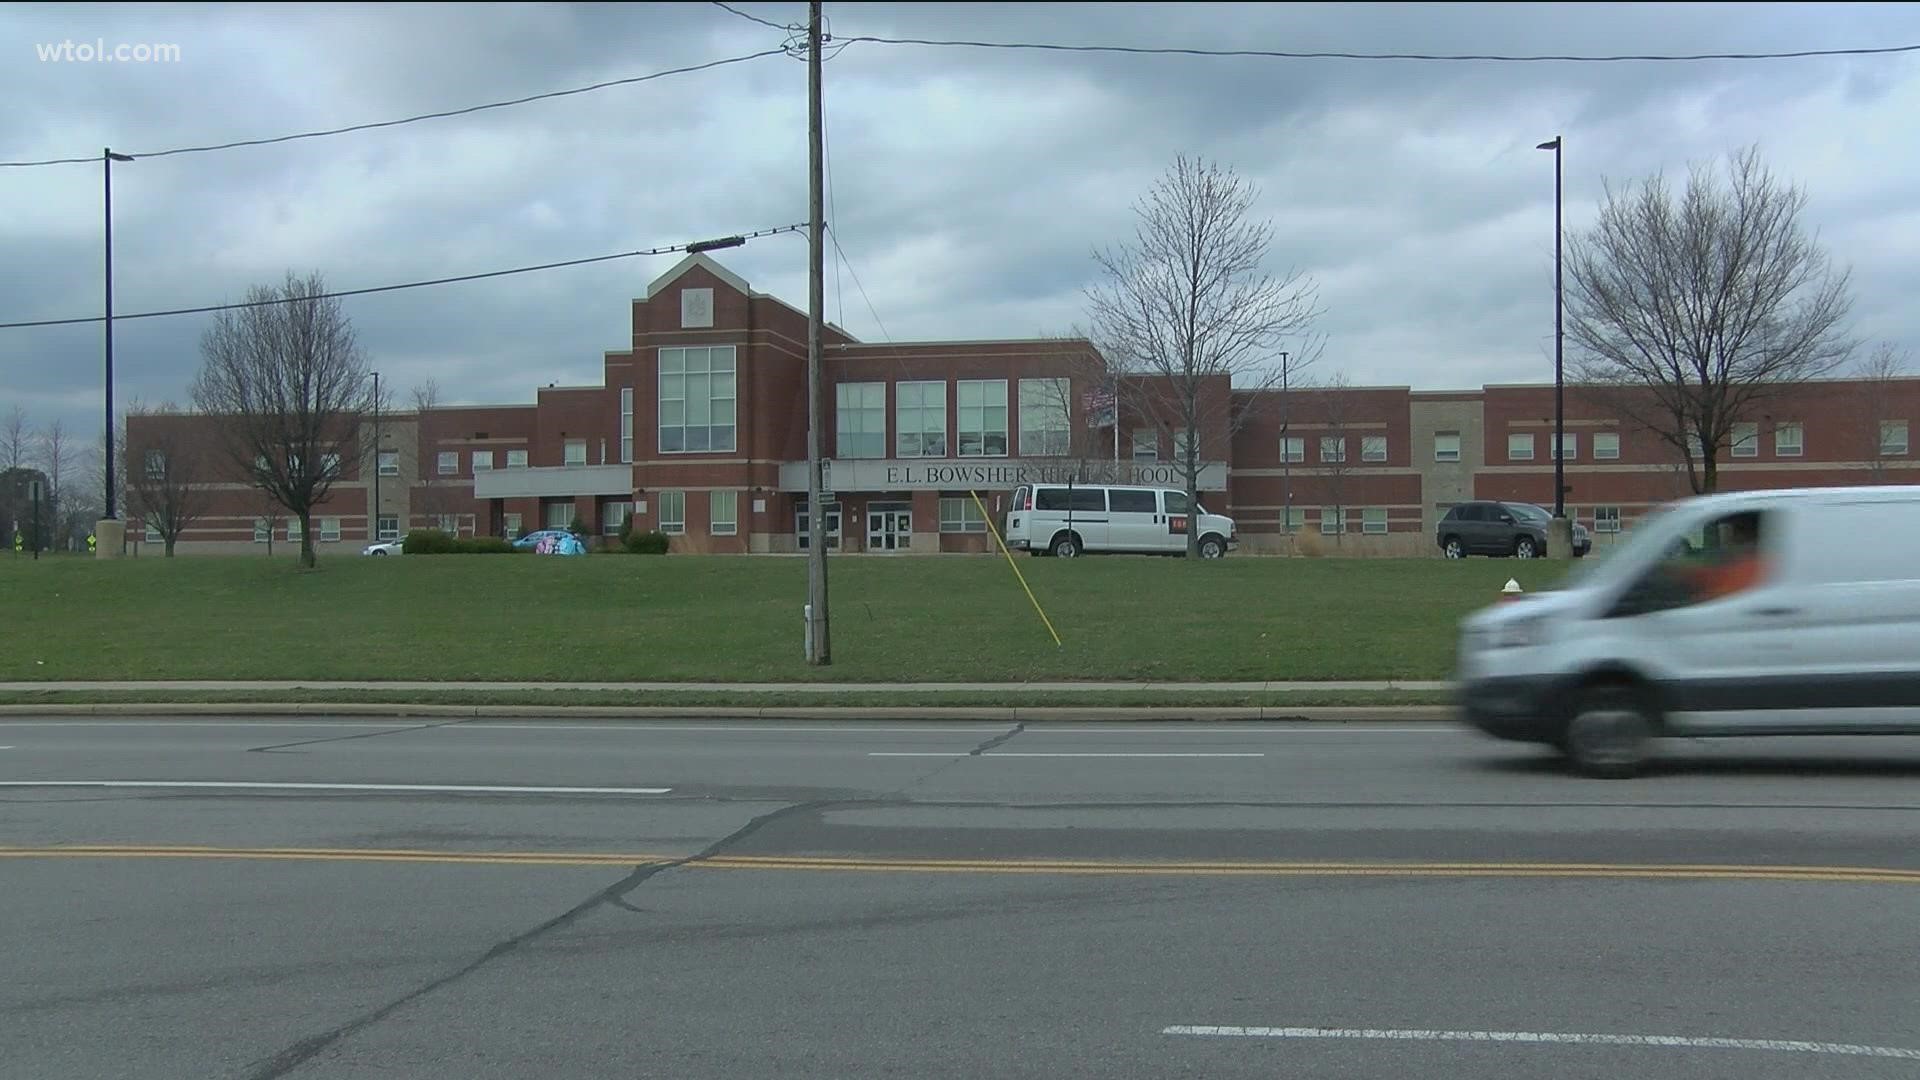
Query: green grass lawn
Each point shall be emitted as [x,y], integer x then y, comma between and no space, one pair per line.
[620,618]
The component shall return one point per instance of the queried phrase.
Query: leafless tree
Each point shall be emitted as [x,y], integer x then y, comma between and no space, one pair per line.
[434,498]
[16,465]
[1187,306]
[1688,312]
[1335,409]
[1878,375]
[168,472]
[56,452]
[288,384]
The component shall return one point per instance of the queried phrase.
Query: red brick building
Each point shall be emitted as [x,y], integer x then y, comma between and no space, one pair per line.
[698,429]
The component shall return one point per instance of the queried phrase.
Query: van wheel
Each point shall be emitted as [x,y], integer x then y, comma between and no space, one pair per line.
[1523,548]
[1454,549]
[1213,547]
[1065,546]
[1611,733]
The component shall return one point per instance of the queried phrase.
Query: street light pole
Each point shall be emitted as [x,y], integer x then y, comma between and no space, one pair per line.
[818,650]
[1559,387]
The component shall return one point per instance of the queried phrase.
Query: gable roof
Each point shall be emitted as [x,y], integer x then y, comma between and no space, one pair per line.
[736,282]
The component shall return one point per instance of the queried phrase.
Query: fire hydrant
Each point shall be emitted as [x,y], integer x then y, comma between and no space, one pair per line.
[1511,590]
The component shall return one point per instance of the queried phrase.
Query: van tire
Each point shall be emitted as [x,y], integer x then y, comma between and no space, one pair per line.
[1065,546]
[1610,731]
[1212,547]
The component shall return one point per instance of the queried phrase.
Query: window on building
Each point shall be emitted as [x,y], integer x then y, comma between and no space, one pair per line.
[626,425]
[388,527]
[153,534]
[723,513]
[262,530]
[1788,440]
[860,417]
[447,523]
[1333,521]
[330,530]
[1333,448]
[961,516]
[613,517]
[1181,437]
[1569,448]
[559,515]
[1606,519]
[1146,445]
[1606,446]
[576,452]
[1293,449]
[1893,438]
[389,463]
[1045,419]
[983,417]
[156,465]
[673,512]
[803,526]
[516,459]
[1746,440]
[1293,519]
[331,464]
[1373,448]
[697,399]
[482,461]
[920,419]
[1446,446]
[1373,519]
[1520,446]
[511,523]
[449,462]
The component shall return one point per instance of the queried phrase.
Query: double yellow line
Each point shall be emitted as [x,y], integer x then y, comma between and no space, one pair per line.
[1061,867]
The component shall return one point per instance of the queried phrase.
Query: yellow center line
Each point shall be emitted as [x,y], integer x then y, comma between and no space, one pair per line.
[863,864]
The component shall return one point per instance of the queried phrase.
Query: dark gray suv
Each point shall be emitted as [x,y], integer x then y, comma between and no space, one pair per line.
[1501,528]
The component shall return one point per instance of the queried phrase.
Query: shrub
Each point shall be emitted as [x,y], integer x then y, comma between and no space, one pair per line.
[428,542]
[484,545]
[578,529]
[645,543]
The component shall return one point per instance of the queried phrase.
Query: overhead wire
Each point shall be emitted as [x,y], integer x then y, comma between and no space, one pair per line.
[1279,54]
[666,250]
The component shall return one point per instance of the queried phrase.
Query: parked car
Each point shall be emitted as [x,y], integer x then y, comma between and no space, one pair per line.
[385,547]
[1066,520]
[1751,613]
[550,542]
[1500,529]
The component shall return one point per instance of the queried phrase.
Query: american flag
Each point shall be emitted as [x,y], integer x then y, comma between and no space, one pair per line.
[1099,406]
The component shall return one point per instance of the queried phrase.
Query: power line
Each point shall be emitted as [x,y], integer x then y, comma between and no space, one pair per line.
[755,18]
[94,159]
[856,284]
[1283,55]
[741,237]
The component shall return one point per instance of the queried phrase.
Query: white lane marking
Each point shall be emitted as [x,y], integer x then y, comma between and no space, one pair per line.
[1681,1041]
[202,723]
[6,747]
[724,727]
[266,786]
[1002,753]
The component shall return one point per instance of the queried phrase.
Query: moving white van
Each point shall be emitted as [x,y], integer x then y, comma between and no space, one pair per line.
[1068,519]
[1759,613]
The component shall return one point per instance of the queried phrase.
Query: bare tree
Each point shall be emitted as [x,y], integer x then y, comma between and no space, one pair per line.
[168,472]
[435,498]
[56,451]
[16,466]
[1690,312]
[288,384]
[1335,408]
[1878,377]
[1187,310]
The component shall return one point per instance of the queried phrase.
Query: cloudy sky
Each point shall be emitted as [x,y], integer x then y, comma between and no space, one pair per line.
[969,186]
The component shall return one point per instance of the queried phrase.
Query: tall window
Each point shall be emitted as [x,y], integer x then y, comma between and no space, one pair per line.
[1746,440]
[1446,446]
[1333,448]
[961,516]
[1606,446]
[673,512]
[1293,449]
[626,424]
[511,522]
[613,517]
[723,514]
[1146,445]
[1520,446]
[576,451]
[559,515]
[1893,438]
[697,399]
[1789,440]
[860,417]
[1373,448]
[449,462]
[983,417]
[920,419]
[1045,424]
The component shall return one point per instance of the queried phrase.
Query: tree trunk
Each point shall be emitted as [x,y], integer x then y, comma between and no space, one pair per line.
[170,541]
[1709,473]
[1193,511]
[306,539]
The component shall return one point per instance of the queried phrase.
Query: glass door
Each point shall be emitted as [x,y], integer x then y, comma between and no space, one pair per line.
[889,526]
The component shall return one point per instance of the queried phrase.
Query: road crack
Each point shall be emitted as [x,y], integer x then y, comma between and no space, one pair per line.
[358,735]
[998,740]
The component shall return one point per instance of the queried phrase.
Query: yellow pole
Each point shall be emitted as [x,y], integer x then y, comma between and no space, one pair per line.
[1016,566]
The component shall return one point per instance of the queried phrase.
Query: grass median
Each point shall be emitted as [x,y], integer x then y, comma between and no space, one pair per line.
[538,699]
[677,618]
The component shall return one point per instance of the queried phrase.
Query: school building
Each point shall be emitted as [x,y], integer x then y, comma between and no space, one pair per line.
[698,429]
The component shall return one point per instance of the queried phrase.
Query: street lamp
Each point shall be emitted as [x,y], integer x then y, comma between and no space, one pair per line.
[1559,388]
[107,158]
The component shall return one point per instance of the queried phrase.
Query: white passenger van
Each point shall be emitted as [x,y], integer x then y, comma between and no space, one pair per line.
[1068,519]
[1759,613]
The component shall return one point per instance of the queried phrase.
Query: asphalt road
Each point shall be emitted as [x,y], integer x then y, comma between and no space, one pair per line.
[262,899]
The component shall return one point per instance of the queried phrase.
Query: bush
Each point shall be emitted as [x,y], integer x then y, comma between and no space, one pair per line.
[484,545]
[578,529]
[647,543]
[435,542]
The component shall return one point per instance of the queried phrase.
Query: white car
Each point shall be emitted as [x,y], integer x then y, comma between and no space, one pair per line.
[1066,520]
[1754,613]
[385,547]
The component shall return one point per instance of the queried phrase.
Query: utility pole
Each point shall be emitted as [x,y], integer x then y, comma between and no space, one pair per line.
[819,651]
[1286,459]
[373,519]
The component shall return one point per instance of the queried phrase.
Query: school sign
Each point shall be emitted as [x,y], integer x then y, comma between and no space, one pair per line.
[1000,474]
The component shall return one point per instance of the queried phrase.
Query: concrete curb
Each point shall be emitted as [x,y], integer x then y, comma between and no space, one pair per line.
[1382,713]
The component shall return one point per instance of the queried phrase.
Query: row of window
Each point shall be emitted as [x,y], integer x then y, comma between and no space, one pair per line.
[1789,441]
[920,426]
[1333,449]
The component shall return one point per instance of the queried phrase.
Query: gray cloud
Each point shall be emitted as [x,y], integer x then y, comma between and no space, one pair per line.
[969,186]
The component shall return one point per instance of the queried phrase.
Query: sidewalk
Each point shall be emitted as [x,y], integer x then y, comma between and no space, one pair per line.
[743,688]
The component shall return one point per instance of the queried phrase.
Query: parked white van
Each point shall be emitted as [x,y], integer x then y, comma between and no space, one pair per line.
[1759,613]
[1068,519]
